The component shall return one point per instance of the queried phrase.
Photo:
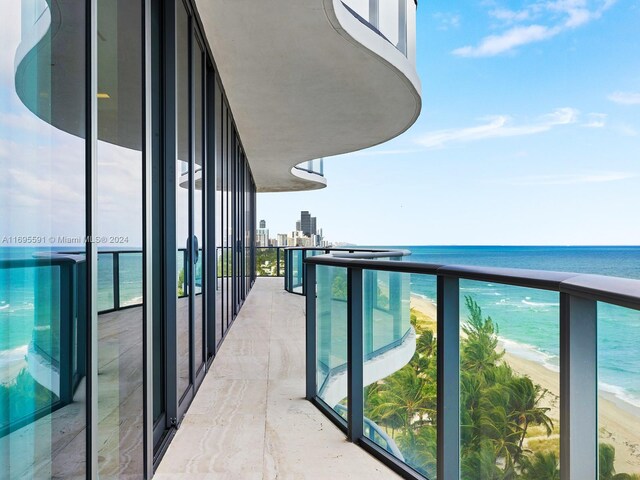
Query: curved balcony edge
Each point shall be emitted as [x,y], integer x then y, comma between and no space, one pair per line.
[312,180]
[352,29]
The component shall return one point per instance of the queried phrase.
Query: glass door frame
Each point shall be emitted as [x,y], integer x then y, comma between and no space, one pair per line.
[174,404]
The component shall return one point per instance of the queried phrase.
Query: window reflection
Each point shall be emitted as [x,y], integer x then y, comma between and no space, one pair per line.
[43,322]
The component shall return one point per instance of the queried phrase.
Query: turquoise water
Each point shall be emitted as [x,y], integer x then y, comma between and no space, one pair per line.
[20,286]
[528,318]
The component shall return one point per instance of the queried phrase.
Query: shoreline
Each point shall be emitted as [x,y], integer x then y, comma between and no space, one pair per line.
[619,421]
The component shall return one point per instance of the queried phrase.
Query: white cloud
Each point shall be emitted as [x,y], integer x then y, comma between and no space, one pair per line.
[447,21]
[626,130]
[510,15]
[512,38]
[595,120]
[625,98]
[573,178]
[498,127]
[553,18]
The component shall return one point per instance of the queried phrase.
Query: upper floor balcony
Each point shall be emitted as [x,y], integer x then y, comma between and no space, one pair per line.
[312,79]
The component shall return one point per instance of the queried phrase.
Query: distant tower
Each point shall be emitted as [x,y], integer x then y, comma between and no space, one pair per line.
[298,226]
[263,224]
[305,222]
[313,226]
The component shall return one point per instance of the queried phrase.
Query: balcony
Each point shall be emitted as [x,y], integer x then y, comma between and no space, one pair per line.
[364,331]
[311,171]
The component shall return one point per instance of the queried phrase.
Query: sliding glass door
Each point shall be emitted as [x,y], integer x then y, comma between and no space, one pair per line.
[189,209]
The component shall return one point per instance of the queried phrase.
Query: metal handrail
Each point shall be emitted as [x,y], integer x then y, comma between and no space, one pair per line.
[624,292]
[342,252]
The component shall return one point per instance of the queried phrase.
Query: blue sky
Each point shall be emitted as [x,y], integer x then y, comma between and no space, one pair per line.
[529,134]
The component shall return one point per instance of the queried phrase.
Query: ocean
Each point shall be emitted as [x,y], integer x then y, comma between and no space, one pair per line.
[528,319]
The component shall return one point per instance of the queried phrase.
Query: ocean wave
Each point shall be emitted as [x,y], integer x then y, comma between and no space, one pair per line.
[12,361]
[531,353]
[540,304]
[620,393]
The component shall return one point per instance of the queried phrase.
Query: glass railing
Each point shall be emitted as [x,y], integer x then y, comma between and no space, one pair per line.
[394,20]
[270,261]
[312,166]
[295,256]
[448,384]
[43,326]
[119,279]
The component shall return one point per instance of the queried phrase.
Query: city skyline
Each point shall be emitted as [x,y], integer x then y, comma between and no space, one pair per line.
[529,135]
[305,234]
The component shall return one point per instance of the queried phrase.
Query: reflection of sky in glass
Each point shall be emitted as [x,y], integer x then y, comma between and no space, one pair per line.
[42,177]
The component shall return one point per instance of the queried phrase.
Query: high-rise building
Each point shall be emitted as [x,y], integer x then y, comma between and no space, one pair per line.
[305,222]
[262,235]
[175,113]
[282,239]
[313,226]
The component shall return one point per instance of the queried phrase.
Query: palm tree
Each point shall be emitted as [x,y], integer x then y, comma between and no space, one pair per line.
[606,459]
[419,448]
[542,466]
[525,409]
[407,395]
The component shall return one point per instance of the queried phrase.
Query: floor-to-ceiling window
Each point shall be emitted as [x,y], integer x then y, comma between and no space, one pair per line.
[219,196]
[43,218]
[91,158]
[118,220]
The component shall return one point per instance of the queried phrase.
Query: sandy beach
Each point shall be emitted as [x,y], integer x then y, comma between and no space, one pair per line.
[619,421]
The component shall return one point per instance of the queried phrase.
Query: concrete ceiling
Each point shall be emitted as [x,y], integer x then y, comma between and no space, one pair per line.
[305,79]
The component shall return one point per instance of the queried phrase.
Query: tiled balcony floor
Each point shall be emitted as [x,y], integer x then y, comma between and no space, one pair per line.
[249,420]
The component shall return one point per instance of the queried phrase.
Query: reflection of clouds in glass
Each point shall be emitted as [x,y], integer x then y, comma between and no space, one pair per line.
[9,40]
[42,184]
[119,192]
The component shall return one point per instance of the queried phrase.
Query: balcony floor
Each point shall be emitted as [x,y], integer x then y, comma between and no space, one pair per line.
[249,420]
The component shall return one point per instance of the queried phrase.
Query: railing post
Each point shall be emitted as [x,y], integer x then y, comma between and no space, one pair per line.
[311,333]
[373,13]
[402,26]
[303,268]
[448,415]
[369,302]
[67,315]
[278,261]
[578,388]
[287,267]
[116,280]
[355,358]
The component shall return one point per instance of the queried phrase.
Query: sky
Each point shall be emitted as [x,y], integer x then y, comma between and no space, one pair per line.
[529,135]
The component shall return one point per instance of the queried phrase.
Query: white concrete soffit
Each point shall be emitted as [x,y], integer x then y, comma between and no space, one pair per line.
[305,79]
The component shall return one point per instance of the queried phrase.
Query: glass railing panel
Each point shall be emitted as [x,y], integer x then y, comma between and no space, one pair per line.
[130,276]
[386,309]
[297,271]
[105,282]
[618,392]
[37,328]
[509,381]
[400,369]
[388,20]
[331,318]
[267,262]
